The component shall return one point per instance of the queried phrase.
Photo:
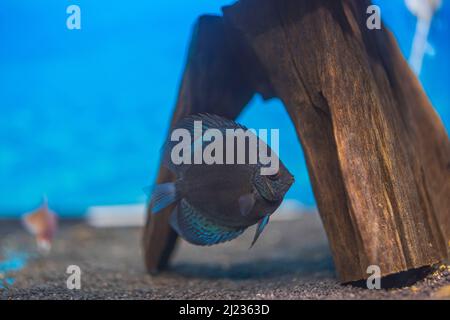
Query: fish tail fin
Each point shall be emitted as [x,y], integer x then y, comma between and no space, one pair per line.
[162,196]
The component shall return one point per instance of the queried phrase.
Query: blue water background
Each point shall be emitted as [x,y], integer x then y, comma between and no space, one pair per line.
[83,113]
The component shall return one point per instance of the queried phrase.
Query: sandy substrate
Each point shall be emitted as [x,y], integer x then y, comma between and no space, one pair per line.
[290,261]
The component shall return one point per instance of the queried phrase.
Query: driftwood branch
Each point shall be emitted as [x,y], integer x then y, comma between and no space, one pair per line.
[377,153]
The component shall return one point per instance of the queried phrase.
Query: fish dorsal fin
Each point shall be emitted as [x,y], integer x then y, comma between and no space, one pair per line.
[246,203]
[214,121]
[209,121]
[259,229]
[197,229]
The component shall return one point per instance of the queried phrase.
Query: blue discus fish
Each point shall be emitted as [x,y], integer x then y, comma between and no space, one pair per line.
[216,202]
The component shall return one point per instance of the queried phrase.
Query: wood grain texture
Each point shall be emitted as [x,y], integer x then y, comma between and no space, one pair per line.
[377,153]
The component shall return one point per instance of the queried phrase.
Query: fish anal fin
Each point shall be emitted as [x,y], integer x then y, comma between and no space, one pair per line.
[197,229]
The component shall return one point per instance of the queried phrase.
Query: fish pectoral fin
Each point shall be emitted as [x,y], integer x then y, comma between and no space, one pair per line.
[259,229]
[246,203]
[162,196]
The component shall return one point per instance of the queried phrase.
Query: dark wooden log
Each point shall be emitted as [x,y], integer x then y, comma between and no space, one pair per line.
[377,153]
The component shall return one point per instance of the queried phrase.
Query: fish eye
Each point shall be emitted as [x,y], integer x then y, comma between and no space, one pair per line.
[274,176]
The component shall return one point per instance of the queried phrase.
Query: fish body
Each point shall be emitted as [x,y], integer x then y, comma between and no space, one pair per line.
[225,184]
[217,202]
